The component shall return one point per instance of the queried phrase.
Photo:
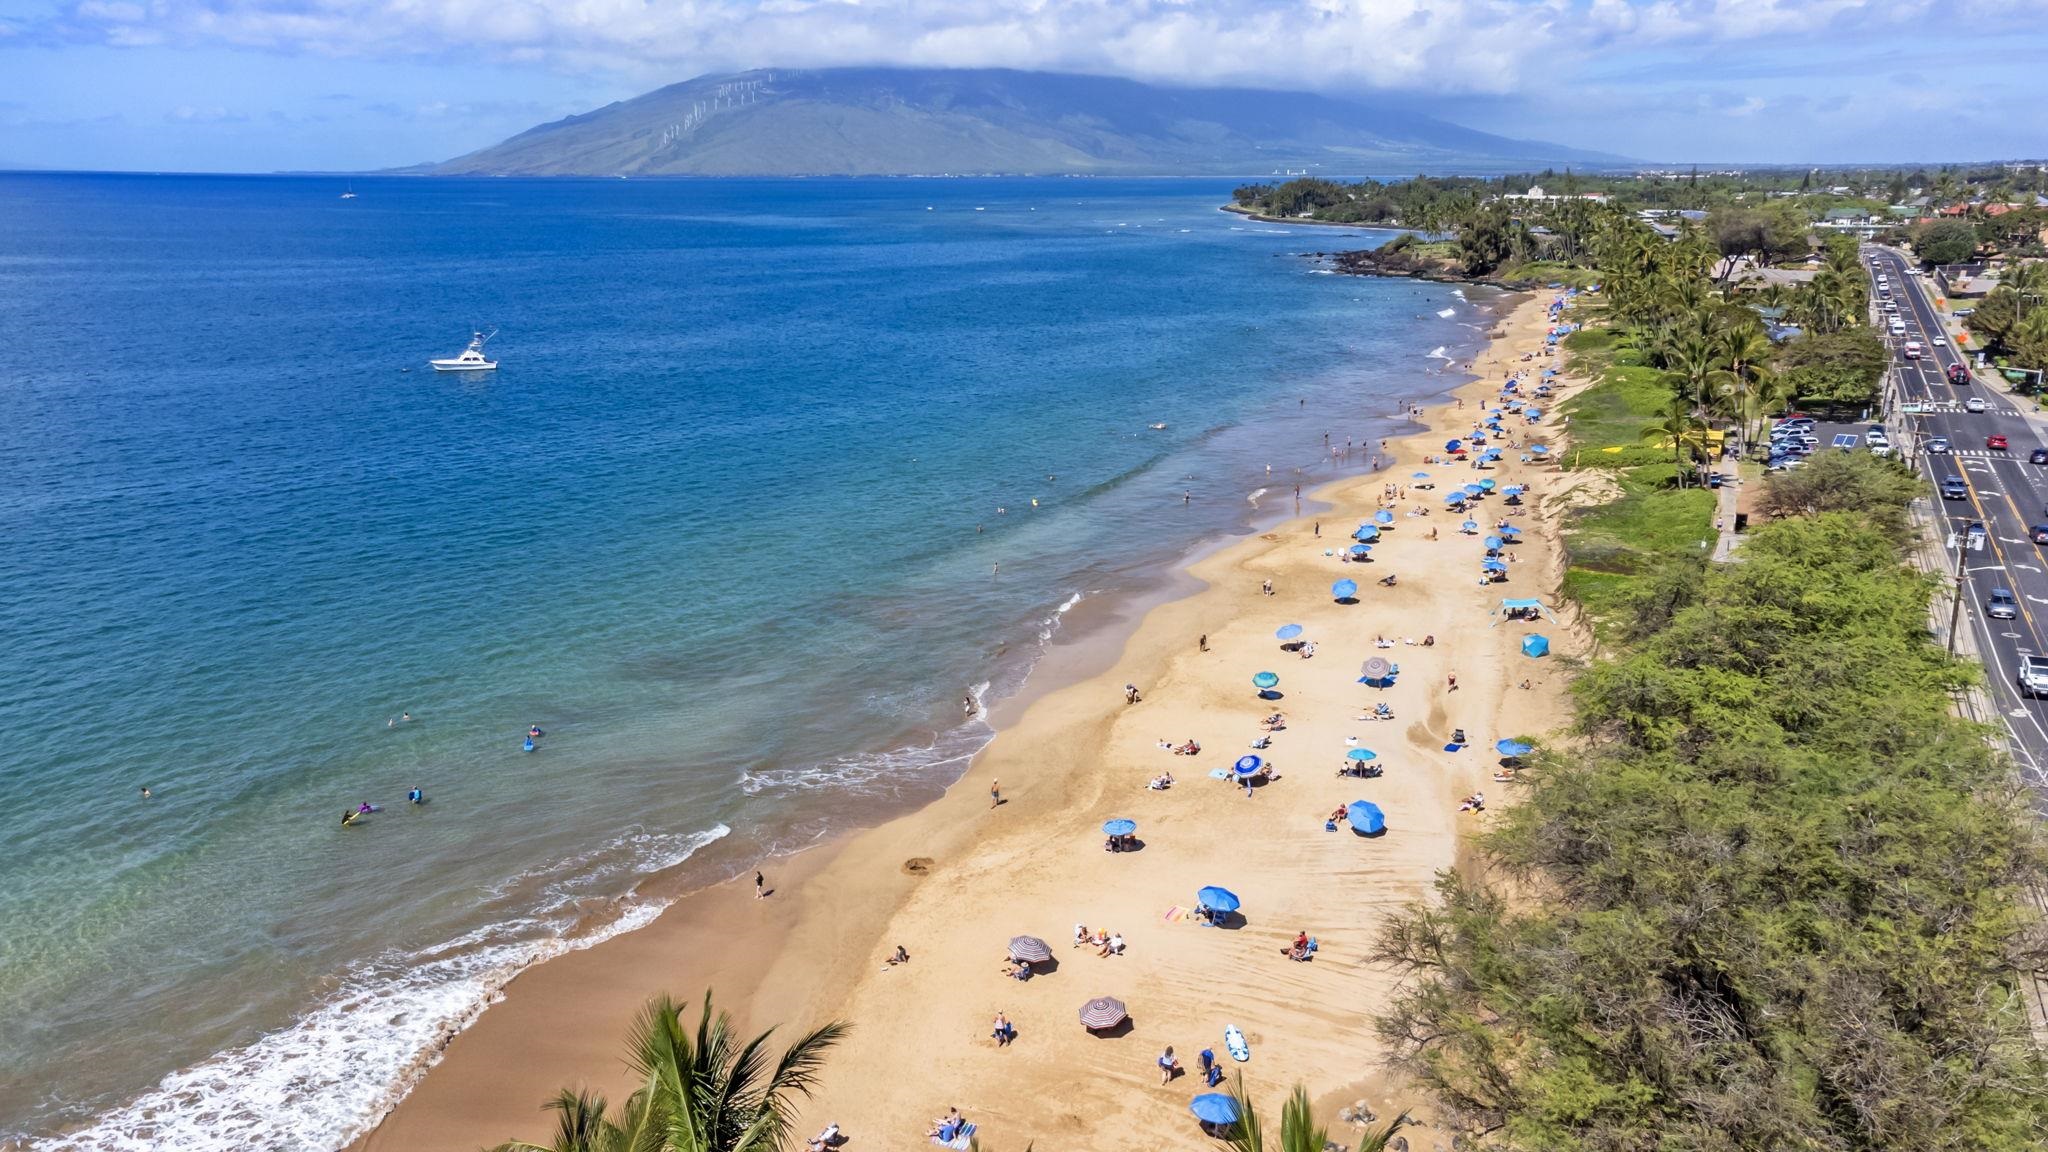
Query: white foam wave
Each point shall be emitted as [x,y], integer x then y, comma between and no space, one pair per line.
[947,750]
[1440,352]
[1256,493]
[1459,293]
[329,1076]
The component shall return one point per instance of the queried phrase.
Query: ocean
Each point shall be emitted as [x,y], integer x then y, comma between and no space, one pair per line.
[773,475]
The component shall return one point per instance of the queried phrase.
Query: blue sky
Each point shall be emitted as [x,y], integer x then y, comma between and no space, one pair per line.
[266,85]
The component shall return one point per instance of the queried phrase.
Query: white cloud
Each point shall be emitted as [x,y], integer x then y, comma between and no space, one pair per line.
[1441,45]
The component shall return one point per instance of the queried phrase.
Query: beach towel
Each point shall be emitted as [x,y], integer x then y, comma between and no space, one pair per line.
[1175,914]
[960,1141]
[1219,773]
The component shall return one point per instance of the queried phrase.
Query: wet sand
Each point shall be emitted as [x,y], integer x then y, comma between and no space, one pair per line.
[953,882]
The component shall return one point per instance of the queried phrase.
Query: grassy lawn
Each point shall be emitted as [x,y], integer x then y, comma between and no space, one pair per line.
[1611,545]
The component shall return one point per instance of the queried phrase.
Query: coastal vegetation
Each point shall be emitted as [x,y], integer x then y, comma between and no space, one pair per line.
[1299,1131]
[1771,896]
[701,1091]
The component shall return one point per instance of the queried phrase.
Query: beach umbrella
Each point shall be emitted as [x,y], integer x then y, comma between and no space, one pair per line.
[1214,1108]
[1366,532]
[1469,527]
[1511,747]
[1377,668]
[1103,1012]
[1288,631]
[1492,566]
[1493,543]
[1360,549]
[1418,475]
[1365,816]
[1509,531]
[1457,497]
[1474,490]
[1344,589]
[1538,450]
[1265,680]
[1489,483]
[1534,645]
[1119,827]
[1383,518]
[1029,949]
[1361,755]
[1513,490]
[1246,765]
[1218,899]
[1535,413]
[1452,445]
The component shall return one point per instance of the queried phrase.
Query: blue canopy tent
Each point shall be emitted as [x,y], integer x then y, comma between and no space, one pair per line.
[1287,631]
[1214,1108]
[1365,817]
[1344,589]
[1521,604]
[1534,645]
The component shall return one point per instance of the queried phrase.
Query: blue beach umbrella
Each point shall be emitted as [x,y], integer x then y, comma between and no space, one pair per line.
[1360,549]
[1513,490]
[1492,566]
[1367,533]
[1457,497]
[1214,1108]
[1469,527]
[1383,518]
[1509,531]
[1288,631]
[1418,475]
[1511,747]
[1538,450]
[1344,589]
[1535,645]
[1452,445]
[1246,765]
[1493,543]
[1119,827]
[1365,816]
[1265,680]
[1218,899]
[1535,413]
[1361,755]
[1489,483]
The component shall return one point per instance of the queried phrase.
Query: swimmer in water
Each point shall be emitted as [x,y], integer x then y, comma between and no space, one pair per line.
[365,807]
[145,792]
[535,732]
[348,817]
[416,796]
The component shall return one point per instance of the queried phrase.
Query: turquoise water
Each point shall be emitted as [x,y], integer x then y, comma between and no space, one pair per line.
[725,524]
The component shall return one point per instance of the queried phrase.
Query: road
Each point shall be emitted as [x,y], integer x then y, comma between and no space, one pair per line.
[2006,493]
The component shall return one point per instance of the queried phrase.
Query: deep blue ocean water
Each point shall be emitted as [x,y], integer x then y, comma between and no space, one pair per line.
[725,523]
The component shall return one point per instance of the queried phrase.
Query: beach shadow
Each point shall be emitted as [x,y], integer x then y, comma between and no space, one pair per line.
[1347,600]
[1368,835]
[1115,1031]
[1131,844]
[1272,694]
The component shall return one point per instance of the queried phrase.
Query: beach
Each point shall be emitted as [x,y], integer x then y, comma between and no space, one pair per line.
[953,882]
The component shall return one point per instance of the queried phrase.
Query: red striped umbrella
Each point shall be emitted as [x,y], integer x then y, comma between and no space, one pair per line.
[1029,949]
[1103,1012]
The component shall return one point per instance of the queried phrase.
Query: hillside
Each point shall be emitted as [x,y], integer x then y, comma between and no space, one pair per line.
[880,121]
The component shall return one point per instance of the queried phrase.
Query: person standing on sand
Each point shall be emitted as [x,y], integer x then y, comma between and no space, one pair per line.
[1452,680]
[760,886]
[1203,644]
[995,793]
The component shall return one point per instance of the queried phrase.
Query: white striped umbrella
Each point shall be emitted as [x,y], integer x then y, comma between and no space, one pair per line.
[1103,1012]
[1029,949]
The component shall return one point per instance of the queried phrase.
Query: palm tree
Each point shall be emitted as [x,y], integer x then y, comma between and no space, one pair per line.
[701,1093]
[1298,1130]
[1683,429]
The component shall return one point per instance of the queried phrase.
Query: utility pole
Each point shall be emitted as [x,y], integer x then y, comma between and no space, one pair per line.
[1955,616]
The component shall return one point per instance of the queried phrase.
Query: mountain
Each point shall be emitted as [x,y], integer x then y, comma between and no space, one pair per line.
[899,122]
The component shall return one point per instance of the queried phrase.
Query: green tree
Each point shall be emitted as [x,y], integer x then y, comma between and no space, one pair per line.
[1841,369]
[1947,241]
[1684,432]
[697,1093]
[1298,1130]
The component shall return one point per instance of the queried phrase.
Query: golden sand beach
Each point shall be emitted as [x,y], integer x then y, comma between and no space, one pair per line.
[954,882]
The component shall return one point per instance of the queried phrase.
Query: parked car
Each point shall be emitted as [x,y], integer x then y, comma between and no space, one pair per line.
[1975,404]
[1995,441]
[2001,605]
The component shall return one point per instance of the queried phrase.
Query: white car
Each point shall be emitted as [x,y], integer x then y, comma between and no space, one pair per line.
[1898,326]
[1891,306]
[1975,404]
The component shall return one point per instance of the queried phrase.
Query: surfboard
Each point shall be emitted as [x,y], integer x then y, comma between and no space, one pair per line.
[1234,1040]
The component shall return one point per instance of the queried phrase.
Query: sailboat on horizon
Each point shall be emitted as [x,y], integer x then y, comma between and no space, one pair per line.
[351,193]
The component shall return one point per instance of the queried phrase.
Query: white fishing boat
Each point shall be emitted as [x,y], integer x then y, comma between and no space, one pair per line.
[350,194]
[472,358]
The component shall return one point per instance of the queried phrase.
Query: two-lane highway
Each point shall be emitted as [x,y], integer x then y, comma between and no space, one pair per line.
[2004,492]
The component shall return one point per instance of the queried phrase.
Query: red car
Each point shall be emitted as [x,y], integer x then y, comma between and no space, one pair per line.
[1994,441]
